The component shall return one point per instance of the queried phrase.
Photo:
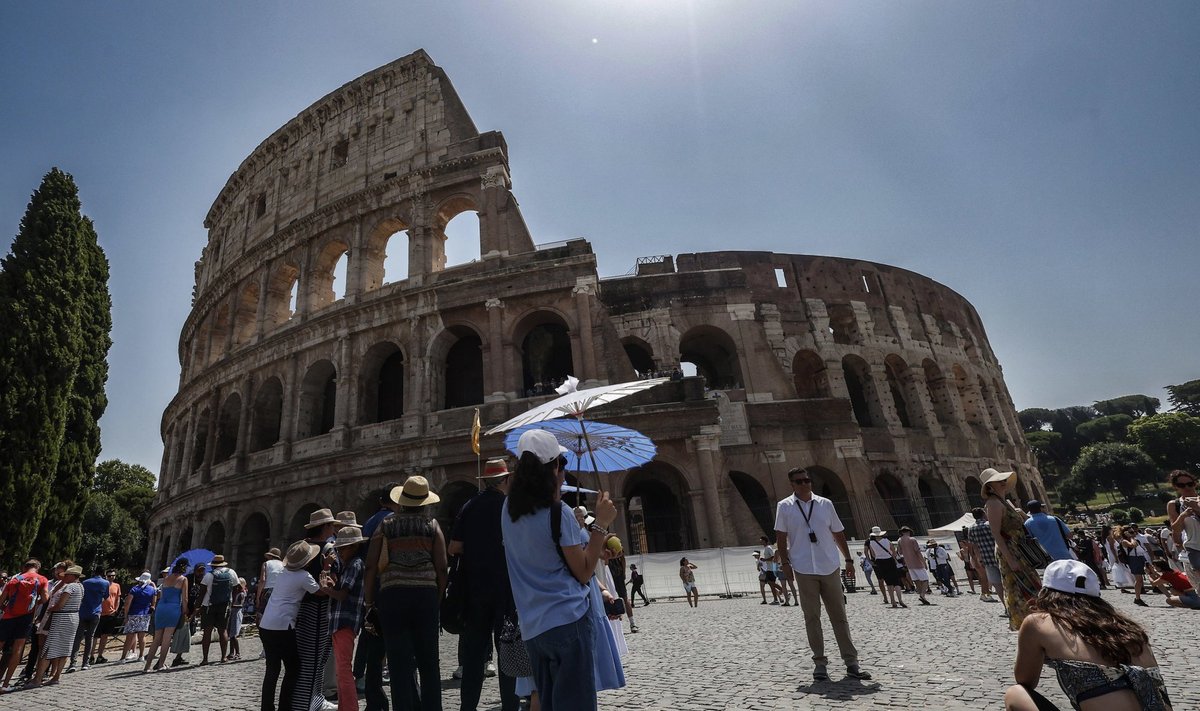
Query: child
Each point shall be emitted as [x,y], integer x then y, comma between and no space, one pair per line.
[346,615]
[237,603]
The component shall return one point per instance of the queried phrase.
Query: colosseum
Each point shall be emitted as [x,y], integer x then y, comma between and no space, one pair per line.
[299,390]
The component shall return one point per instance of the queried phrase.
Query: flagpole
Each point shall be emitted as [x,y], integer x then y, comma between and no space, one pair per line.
[475,427]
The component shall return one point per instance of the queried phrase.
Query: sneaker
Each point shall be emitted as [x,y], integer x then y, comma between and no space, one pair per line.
[489,669]
[85,667]
[820,673]
[857,673]
[633,627]
[7,689]
[775,602]
[761,603]
[1138,601]
[457,673]
[925,602]
[100,660]
[71,669]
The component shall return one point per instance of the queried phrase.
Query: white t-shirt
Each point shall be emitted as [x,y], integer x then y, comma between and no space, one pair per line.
[938,555]
[767,554]
[290,588]
[207,582]
[880,549]
[273,569]
[806,557]
[1167,541]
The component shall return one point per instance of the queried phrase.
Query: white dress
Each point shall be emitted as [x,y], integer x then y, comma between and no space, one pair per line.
[1121,577]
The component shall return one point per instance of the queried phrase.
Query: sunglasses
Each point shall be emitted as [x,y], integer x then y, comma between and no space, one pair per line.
[1185,484]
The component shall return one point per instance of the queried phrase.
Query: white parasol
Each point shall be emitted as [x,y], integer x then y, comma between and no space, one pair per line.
[574,403]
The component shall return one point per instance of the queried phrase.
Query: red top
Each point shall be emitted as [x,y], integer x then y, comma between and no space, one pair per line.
[1177,580]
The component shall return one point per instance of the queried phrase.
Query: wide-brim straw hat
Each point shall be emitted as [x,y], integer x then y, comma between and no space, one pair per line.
[218,561]
[300,554]
[494,469]
[275,553]
[74,570]
[877,531]
[348,536]
[991,476]
[347,518]
[320,517]
[415,492]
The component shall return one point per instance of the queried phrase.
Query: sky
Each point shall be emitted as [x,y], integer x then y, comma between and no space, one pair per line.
[1041,159]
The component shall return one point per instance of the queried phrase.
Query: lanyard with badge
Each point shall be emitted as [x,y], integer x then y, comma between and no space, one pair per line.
[812,535]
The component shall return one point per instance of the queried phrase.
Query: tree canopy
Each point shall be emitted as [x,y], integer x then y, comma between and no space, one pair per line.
[1114,465]
[1185,397]
[1132,405]
[1172,439]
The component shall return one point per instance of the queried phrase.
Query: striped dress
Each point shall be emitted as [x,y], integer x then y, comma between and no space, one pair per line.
[60,631]
[313,642]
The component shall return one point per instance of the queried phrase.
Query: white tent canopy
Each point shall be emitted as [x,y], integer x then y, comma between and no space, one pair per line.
[953,527]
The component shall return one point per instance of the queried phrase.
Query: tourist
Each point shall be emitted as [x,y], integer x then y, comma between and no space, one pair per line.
[313,642]
[181,641]
[914,560]
[1183,513]
[550,571]
[983,545]
[1136,558]
[1115,552]
[109,622]
[1179,590]
[59,627]
[218,586]
[868,570]
[277,629]
[37,638]
[409,552]
[769,559]
[346,518]
[236,608]
[95,589]
[1102,658]
[616,570]
[882,553]
[761,567]
[637,583]
[139,606]
[19,600]
[1020,580]
[1050,531]
[939,562]
[484,574]
[370,653]
[172,609]
[689,582]
[269,571]
[810,534]
[966,553]
[346,614]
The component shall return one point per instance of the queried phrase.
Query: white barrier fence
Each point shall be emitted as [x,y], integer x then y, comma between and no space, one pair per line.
[732,571]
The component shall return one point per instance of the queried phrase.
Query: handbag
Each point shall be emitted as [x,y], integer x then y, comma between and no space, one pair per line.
[614,608]
[453,610]
[1031,553]
[514,658]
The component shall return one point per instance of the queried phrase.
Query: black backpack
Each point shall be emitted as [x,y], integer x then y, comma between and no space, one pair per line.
[222,587]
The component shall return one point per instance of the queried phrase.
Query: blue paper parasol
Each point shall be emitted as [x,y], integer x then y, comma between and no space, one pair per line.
[196,556]
[592,446]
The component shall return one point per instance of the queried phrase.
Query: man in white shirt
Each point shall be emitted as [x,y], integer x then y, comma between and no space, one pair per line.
[217,590]
[809,535]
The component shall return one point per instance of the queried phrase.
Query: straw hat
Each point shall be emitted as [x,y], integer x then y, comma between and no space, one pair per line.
[415,492]
[991,476]
[347,518]
[299,554]
[348,536]
[274,554]
[494,469]
[877,531]
[75,570]
[320,517]
[218,561]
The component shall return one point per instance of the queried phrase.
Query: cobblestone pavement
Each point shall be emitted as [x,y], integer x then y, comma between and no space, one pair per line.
[726,654]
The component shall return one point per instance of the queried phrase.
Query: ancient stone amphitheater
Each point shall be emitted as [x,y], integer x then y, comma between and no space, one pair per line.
[300,390]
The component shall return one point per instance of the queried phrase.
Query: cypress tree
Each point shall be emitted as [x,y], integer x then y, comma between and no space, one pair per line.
[40,343]
[61,527]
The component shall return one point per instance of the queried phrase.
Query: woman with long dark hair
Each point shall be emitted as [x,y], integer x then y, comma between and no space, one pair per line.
[550,570]
[1102,658]
[1020,579]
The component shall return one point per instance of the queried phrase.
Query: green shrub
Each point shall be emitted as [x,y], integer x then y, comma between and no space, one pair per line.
[1136,515]
[1119,515]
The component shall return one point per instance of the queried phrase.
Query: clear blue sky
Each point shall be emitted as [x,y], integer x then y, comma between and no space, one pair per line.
[1042,159]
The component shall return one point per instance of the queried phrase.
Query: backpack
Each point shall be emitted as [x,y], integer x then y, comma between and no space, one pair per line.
[23,595]
[222,588]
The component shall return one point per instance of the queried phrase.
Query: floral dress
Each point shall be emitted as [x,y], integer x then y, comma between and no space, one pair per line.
[1021,585]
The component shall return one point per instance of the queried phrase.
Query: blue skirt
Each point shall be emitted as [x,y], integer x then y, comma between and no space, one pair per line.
[607,662]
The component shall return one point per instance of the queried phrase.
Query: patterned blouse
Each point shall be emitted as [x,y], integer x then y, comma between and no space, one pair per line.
[409,538]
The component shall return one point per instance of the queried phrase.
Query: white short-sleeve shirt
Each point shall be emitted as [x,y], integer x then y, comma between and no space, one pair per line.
[806,557]
[290,588]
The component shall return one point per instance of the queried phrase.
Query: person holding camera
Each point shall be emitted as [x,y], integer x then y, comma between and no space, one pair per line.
[809,535]
[1184,515]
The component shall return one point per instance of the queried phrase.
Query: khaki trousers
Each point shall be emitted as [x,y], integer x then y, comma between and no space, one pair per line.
[815,589]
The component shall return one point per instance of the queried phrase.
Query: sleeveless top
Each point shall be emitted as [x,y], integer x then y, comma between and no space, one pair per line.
[878,549]
[1081,681]
[409,539]
[1191,528]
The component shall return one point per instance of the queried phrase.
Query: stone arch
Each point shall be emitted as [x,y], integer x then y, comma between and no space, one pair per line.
[296,530]
[640,354]
[318,398]
[828,484]
[938,500]
[546,358]
[460,240]
[974,490]
[267,415]
[843,325]
[228,425]
[1022,492]
[383,380]
[460,367]
[969,399]
[200,440]
[254,539]
[246,313]
[322,289]
[386,254]
[903,391]
[896,503]
[809,375]
[282,293]
[657,509]
[756,500]
[939,394]
[455,494]
[184,543]
[715,356]
[864,399]
[214,537]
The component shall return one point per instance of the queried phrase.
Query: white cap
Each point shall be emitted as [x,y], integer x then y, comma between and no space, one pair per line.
[1072,577]
[541,444]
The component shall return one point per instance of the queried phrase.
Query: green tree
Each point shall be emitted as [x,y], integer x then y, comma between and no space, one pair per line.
[112,475]
[1172,439]
[1185,397]
[1114,465]
[131,488]
[112,537]
[1076,491]
[1034,419]
[40,342]
[60,529]
[1110,428]
[1132,405]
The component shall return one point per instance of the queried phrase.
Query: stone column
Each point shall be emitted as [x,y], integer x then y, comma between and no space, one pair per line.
[234,303]
[243,430]
[189,446]
[356,264]
[210,441]
[920,389]
[496,353]
[836,378]
[883,393]
[260,318]
[493,188]
[708,445]
[344,378]
[696,504]
[279,527]
[585,289]
[287,425]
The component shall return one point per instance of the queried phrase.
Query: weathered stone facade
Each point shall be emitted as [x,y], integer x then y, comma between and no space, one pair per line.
[293,397]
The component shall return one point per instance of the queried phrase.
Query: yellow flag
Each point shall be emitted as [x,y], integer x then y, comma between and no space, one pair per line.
[475,432]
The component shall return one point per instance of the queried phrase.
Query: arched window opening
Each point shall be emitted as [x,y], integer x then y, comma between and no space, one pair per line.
[861,388]
[462,239]
[656,512]
[382,388]
[974,490]
[939,396]
[184,543]
[828,484]
[254,538]
[246,317]
[843,325]
[200,440]
[939,501]
[267,415]
[328,281]
[318,393]
[810,376]
[993,408]
[896,503]
[639,357]
[283,289]
[546,358]
[227,427]
[340,270]
[464,372]
[714,355]
[297,530]
[214,538]
[395,258]
[756,500]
